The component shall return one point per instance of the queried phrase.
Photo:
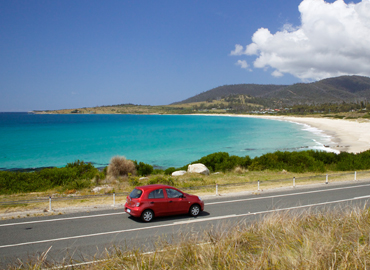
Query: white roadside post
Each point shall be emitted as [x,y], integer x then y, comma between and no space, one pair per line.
[293,181]
[258,185]
[114,199]
[326,182]
[355,175]
[216,189]
[49,203]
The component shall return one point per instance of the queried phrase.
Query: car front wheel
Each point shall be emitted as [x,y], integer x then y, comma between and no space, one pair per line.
[147,215]
[194,210]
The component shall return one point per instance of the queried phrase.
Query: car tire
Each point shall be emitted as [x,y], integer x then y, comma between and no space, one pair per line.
[194,210]
[147,215]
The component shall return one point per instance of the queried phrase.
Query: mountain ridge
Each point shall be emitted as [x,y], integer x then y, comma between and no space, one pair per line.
[348,88]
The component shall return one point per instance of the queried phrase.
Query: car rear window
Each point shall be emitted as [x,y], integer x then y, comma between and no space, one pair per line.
[135,194]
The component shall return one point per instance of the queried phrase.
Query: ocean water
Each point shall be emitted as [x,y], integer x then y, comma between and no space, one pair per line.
[32,141]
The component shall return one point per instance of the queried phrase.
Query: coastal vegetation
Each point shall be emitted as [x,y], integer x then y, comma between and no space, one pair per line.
[76,175]
[80,175]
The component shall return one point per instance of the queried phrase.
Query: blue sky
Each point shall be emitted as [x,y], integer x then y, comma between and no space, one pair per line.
[70,54]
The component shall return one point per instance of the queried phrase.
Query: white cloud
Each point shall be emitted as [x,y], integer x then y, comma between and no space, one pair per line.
[277,73]
[238,50]
[242,64]
[332,40]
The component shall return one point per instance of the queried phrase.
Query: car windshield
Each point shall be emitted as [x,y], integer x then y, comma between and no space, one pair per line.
[135,194]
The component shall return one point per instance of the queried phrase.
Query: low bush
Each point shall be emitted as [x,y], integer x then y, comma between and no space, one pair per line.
[75,175]
[291,161]
[157,171]
[143,169]
[120,166]
[222,161]
[161,180]
[134,181]
[169,170]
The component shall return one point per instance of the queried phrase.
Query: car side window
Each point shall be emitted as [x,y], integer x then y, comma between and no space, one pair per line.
[156,194]
[172,193]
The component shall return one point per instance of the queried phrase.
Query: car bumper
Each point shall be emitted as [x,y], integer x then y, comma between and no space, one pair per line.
[202,205]
[132,211]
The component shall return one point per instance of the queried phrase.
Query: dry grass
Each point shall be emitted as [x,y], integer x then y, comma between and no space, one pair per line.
[239,170]
[338,239]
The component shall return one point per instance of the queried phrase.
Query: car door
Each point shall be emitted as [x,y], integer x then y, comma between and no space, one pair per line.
[177,202]
[157,202]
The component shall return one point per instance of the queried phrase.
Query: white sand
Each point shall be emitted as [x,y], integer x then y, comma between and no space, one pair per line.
[346,135]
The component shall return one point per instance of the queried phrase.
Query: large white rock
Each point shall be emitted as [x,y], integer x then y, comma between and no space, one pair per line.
[178,173]
[198,168]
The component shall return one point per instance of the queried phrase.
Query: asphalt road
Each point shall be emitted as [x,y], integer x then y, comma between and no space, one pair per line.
[85,236]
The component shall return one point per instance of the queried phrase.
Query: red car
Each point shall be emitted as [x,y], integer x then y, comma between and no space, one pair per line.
[161,200]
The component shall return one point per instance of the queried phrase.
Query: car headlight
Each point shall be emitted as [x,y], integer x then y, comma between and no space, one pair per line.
[199,198]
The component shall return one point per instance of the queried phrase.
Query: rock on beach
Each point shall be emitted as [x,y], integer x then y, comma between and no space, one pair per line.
[198,168]
[178,173]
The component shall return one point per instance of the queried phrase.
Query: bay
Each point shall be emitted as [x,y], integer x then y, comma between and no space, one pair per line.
[42,140]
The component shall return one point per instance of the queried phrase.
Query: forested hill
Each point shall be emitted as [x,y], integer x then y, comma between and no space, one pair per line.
[331,90]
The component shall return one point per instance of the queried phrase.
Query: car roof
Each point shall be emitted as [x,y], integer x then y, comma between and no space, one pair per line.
[154,186]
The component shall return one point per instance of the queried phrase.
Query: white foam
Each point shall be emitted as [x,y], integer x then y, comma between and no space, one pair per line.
[327,139]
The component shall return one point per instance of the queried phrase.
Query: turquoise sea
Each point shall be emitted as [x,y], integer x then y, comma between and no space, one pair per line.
[32,141]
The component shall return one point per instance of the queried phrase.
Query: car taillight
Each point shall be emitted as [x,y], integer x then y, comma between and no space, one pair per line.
[137,204]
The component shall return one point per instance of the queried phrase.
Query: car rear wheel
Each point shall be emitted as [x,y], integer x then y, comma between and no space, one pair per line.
[194,210]
[147,215]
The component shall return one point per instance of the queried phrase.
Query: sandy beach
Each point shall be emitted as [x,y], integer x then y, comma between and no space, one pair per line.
[346,135]
[351,136]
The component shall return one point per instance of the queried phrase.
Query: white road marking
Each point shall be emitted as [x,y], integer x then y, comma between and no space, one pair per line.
[286,195]
[60,219]
[200,220]
[362,197]
[174,224]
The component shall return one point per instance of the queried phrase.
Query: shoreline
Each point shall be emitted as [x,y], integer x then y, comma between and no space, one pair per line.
[350,136]
[346,135]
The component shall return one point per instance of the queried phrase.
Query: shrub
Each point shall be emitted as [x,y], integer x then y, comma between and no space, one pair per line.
[143,168]
[157,171]
[292,161]
[161,180]
[120,166]
[222,161]
[169,170]
[105,171]
[75,175]
[134,181]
